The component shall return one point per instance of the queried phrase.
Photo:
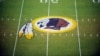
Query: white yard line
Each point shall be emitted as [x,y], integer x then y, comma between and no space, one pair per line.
[79,44]
[47,44]
[47,32]
[20,16]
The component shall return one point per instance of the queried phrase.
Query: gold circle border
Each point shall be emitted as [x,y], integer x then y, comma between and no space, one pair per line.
[73,26]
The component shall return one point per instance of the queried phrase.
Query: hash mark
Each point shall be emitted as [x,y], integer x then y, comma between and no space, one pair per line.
[88,19]
[41,34]
[11,34]
[4,34]
[72,34]
[13,19]
[91,35]
[94,20]
[53,34]
[84,35]
[66,34]
[97,35]
[35,34]
[25,19]
[8,19]
[59,34]
[1,19]
[82,20]
[31,19]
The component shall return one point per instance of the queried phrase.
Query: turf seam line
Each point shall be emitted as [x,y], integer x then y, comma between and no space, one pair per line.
[20,16]
[79,44]
[47,32]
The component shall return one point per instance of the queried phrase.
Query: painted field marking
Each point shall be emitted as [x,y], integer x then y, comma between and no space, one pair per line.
[47,44]
[4,34]
[78,34]
[8,19]
[20,16]
[82,20]
[35,34]
[31,19]
[2,19]
[79,44]
[97,35]
[60,34]
[13,19]
[88,20]
[25,19]
[54,34]
[91,35]
[72,34]
[41,34]
[84,34]
[94,20]
[11,34]
[66,34]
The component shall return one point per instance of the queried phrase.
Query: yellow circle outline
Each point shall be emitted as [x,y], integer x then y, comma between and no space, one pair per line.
[73,26]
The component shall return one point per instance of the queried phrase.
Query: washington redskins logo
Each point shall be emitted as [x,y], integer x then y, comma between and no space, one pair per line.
[54,24]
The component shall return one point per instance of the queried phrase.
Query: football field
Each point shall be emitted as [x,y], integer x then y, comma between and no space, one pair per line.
[84,40]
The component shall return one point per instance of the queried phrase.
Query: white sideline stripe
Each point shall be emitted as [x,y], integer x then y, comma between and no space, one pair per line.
[79,44]
[48,33]
[18,27]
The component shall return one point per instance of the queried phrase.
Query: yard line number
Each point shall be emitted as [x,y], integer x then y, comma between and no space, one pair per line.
[46,1]
[96,1]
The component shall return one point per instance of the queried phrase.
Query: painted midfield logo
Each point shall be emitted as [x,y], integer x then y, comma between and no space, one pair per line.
[54,24]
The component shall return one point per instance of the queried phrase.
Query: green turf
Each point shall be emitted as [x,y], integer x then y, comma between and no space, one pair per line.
[58,44]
